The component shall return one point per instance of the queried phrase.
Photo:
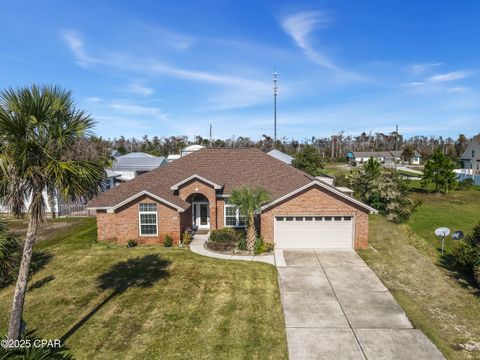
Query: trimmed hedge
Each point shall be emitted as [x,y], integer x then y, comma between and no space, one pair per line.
[225,235]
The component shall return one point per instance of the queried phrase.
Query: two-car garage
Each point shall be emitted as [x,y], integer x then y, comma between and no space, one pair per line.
[310,231]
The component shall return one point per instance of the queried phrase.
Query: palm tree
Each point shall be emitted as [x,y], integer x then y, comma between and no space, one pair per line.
[38,125]
[249,200]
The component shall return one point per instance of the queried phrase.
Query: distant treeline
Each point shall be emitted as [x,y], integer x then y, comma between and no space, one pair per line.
[334,147]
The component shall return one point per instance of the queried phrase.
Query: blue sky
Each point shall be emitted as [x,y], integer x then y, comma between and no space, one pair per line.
[174,67]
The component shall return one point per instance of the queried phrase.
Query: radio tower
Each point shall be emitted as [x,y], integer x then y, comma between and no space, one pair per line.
[275,92]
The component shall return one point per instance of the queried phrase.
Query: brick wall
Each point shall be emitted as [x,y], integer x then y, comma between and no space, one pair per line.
[199,187]
[123,225]
[220,213]
[316,201]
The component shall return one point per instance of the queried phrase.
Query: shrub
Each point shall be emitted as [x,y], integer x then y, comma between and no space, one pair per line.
[467,254]
[225,235]
[262,247]
[187,237]
[268,247]
[384,190]
[168,241]
[342,180]
[10,255]
[466,184]
[132,243]
[476,273]
[242,244]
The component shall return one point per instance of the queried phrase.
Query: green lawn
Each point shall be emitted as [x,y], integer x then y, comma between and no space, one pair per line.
[148,302]
[336,169]
[458,210]
[439,301]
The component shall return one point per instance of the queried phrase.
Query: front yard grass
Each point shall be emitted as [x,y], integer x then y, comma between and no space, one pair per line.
[445,308]
[457,210]
[148,302]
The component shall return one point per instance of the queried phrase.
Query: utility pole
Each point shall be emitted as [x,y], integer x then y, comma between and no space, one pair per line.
[396,148]
[275,92]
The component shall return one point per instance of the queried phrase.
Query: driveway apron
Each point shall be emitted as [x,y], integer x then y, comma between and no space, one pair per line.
[336,308]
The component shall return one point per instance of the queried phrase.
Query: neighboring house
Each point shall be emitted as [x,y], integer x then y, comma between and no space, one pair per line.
[188,150]
[471,157]
[61,207]
[326,179]
[110,180]
[193,192]
[287,159]
[131,165]
[471,162]
[415,160]
[173,157]
[383,157]
[360,157]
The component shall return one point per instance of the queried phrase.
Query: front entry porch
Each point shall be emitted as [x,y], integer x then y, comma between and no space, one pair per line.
[200,213]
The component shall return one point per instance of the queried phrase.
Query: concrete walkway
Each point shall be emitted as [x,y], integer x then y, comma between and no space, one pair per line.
[198,246]
[336,308]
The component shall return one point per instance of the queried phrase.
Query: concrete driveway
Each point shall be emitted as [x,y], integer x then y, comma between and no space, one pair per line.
[336,308]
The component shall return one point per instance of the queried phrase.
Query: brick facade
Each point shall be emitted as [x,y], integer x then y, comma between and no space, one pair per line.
[316,201]
[192,187]
[123,225]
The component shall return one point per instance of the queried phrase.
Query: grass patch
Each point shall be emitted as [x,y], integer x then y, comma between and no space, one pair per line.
[457,210]
[444,308]
[148,302]
[336,169]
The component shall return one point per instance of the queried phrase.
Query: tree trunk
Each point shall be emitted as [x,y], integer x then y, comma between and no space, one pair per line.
[21,287]
[251,233]
[51,202]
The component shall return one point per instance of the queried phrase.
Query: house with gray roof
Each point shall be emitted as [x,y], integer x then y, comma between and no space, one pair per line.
[383,157]
[131,165]
[287,159]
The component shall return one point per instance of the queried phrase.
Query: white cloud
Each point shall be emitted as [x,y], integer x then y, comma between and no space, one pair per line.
[416,83]
[246,88]
[423,67]
[139,89]
[451,76]
[300,26]
[75,43]
[170,38]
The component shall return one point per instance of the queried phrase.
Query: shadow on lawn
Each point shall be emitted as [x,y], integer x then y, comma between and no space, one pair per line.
[463,277]
[140,272]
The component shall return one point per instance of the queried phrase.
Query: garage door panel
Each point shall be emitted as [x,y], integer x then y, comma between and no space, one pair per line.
[335,233]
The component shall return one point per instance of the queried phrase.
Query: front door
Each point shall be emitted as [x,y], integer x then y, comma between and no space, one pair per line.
[201,215]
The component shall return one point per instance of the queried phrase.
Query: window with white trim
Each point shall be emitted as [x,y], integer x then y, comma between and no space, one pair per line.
[147,218]
[233,218]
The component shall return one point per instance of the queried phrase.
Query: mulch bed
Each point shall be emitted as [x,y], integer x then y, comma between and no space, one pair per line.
[228,248]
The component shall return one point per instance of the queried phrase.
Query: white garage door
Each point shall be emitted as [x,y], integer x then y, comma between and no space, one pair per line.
[307,232]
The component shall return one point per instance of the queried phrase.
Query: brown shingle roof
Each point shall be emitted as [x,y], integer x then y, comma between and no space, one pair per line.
[228,167]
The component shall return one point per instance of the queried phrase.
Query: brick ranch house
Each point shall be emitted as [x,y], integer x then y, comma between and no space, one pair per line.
[193,192]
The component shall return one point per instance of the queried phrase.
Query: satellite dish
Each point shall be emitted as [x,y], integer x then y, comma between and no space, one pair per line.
[442,231]
[457,235]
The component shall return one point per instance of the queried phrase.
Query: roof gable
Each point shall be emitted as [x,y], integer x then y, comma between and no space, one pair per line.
[228,168]
[327,187]
[198,177]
